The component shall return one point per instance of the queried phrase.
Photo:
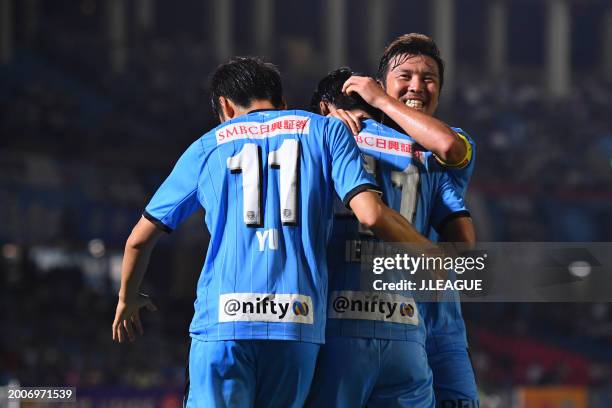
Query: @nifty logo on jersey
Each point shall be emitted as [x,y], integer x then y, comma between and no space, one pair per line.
[265,307]
[386,307]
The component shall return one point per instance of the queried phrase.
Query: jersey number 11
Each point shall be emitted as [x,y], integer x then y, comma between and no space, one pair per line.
[248,162]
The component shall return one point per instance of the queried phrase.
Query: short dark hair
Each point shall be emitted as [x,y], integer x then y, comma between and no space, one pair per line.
[244,79]
[330,90]
[410,44]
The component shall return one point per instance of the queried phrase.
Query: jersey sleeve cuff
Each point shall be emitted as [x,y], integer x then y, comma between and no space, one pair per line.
[157,222]
[450,217]
[359,189]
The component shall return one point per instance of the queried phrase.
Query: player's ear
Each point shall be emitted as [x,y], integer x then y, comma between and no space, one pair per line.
[381,83]
[323,108]
[228,109]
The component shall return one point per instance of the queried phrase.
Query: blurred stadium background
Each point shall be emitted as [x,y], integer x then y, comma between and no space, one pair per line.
[99,97]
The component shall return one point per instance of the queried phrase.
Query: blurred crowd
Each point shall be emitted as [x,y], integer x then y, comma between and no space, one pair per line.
[56,332]
[527,139]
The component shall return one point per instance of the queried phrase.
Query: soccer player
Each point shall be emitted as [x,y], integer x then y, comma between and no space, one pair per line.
[266,178]
[411,73]
[375,356]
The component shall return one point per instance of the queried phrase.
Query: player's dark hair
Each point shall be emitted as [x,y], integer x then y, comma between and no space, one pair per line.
[330,90]
[405,46]
[244,79]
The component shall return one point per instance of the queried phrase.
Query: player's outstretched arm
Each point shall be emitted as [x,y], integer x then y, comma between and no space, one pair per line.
[431,133]
[138,249]
[386,223]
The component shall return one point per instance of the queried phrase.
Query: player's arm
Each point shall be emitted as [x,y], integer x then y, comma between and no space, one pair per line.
[136,256]
[450,216]
[458,229]
[173,202]
[390,226]
[450,148]
[386,223]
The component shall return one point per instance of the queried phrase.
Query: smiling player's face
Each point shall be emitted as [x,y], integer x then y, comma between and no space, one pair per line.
[414,82]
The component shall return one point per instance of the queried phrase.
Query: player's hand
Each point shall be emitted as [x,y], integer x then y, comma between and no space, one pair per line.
[127,317]
[350,119]
[370,90]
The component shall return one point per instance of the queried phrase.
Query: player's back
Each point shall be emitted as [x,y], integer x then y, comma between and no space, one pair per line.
[266,180]
[413,184]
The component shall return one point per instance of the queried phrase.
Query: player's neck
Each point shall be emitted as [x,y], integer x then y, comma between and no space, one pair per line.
[257,105]
[236,110]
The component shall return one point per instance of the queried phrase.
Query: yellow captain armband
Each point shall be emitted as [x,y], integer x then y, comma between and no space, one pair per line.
[466,159]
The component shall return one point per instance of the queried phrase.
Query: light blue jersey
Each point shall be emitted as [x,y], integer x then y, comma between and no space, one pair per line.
[414,184]
[267,181]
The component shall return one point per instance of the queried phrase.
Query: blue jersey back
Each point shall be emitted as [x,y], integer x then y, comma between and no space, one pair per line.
[413,184]
[266,181]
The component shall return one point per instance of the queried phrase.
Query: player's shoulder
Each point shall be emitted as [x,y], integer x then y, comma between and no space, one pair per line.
[208,140]
[302,120]
[314,124]
[300,112]
[287,113]
[322,124]
[314,117]
[314,120]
